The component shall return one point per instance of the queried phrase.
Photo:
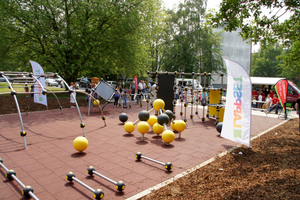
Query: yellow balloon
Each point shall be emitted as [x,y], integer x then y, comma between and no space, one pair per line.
[158,103]
[129,127]
[180,125]
[143,127]
[80,143]
[95,102]
[173,125]
[152,120]
[168,136]
[157,128]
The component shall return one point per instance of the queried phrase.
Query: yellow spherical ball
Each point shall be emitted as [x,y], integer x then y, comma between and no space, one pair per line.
[95,102]
[80,143]
[129,127]
[180,125]
[158,103]
[152,120]
[157,128]
[143,127]
[173,125]
[168,136]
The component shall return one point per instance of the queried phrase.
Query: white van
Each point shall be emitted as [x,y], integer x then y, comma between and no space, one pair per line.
[188,82]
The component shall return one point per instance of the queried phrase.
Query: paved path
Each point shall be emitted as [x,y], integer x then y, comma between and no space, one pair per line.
[50,154]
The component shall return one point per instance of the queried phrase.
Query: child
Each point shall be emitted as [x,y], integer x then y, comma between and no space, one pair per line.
[125,99]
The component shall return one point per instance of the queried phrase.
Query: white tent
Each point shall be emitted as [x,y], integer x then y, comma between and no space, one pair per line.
[265,80]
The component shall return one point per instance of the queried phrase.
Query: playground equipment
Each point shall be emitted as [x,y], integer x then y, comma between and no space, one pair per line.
[193,101]
[34,79]
[157,128]
[11,174]
[219,127]
[120,185]
[215,106]
[102,89]
[80,143]
[143,127]
[167,165]
[129,127]
[123,117]
[179,125]
[98,194]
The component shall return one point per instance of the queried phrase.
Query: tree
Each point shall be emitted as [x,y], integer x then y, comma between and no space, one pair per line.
[78,37]
[189,45]
[263,28]
[266,63]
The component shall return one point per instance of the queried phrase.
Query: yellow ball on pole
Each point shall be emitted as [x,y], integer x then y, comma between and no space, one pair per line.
[80,143]
[152,120]
[158,104]
[143,127]
[157,128]
[168,136]
[173,125]
[96,102]
[129,127]
[180,125]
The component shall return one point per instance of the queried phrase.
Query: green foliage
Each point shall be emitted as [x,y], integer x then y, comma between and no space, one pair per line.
[266,63]
[188,45]
[291,63]
[78,37]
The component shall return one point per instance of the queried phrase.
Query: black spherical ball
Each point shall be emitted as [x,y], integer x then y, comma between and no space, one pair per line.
[219,127]
[123,117]
[144,115]
[163,119]
[170,114]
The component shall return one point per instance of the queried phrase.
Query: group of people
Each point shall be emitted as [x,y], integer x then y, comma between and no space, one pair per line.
[266,100]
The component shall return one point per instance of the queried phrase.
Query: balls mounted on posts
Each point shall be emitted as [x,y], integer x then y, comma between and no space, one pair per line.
[80,143]
[123,117]
[157,128]
[129,127]
[152,120]
[96,103]
[168,136]
[144,115]
[163,119]
[158,104]
[219,127]
[143,127]
[170,114]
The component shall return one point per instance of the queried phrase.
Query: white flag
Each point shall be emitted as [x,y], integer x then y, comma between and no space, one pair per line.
[38,70]
[237,116]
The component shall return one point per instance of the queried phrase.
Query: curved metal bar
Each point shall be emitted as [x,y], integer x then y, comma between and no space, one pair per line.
[60,107]
[71,91]
[18,108]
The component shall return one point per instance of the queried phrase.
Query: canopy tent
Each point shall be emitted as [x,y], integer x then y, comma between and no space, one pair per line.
[265,80]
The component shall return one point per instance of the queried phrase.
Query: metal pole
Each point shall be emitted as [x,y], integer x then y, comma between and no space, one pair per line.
[108,179]
[153,160]
[83,184]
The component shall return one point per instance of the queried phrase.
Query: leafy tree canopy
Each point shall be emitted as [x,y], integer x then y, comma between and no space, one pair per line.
[77,37]
[248,15]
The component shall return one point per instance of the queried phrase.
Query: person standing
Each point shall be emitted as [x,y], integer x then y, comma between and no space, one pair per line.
[72,95]
[133,88]
[117,96]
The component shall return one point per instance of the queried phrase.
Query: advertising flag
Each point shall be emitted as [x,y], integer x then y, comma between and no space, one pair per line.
[38,70]
[281,89]
[237,116]
[135,79]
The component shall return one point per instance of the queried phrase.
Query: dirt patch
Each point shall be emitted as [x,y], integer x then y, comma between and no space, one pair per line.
[270,169]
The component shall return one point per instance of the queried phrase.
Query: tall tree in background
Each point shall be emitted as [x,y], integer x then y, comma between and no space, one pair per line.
[264,28]
[77,37]
[266,63]
[189,45]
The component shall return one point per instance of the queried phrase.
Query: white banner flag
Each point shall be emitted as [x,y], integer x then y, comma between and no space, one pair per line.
[237,116]
[38,70]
